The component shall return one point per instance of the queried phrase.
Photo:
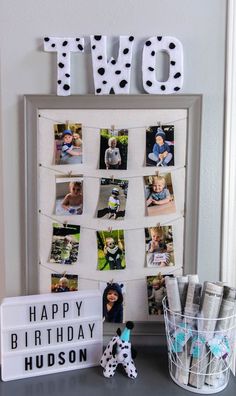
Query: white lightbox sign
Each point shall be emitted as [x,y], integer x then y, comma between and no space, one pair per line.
[49,333]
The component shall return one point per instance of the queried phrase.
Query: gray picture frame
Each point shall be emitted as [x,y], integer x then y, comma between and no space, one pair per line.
[32,106]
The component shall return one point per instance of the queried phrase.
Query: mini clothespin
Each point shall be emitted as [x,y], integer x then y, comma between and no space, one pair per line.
[110,229]
[65,223]
[69,173]
[112,178]
[67,124]
[64,273]
[112,128]
[158,225]
[111,281]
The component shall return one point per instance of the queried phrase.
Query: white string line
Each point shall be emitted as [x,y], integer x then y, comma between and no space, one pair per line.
[69,174]
[115,129]
[97,280]
[158,224]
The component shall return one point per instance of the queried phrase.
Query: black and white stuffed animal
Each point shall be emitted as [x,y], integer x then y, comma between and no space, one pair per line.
[119,351]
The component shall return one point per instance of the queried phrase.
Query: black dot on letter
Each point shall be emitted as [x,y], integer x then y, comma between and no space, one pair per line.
[172,46]
[59,82]
[46,39]
[99,57]
[148,43]
[149,83]
[53,45]
[131,38]
[177,75]
[66,87]
[113,62]
[126,50]
[104,82]
[64,54]
[101,71]
[97,38]
[151,68]
[159,38]
[98,91]
[94,47]
[77,39]
[80,47]
[117,71]
[67,75]
[163,87]
[123,83]
[172,63]
[127,65]
[153,53]
[64,43]
[176,89]
[61,65]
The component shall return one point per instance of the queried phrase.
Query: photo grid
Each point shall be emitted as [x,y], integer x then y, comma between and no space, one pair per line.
[111,206]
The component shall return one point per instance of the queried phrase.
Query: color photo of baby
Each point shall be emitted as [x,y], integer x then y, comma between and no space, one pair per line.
[159,246]
[160,145]
[111,250]
[69,196]
[159,194]
[65,243]
[112,198]
[113,149]
[68,144]
[64,283]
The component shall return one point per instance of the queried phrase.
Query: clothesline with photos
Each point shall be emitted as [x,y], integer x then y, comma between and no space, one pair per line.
[113,126]
[70,173]
[65,222]
[65,273]
[162,241]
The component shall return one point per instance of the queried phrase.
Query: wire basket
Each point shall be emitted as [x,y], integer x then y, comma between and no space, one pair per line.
[199,356]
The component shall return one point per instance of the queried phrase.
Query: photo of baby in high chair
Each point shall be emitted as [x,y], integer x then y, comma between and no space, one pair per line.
[159,194]
[68,145]
[159,246]
[113,149]
[69,196]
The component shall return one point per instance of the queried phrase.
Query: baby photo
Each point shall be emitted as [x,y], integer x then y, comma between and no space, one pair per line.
[160,145]
[111,250]
[156,291]
[69,196]
[159,246]
[159,194]
[64,283]
[65,243]
[68,146]
[113,149]
[112,199]
[113,301]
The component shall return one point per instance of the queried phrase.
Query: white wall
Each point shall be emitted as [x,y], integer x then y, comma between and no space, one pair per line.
[25,69]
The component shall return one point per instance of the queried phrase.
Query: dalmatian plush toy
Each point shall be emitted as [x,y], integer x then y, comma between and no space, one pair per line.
[119,351]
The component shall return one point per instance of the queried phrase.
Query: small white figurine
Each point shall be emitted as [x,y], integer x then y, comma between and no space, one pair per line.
[119,351]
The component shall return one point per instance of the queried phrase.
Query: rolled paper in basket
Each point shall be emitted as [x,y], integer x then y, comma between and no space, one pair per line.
[172,291]
[192,303]
[225,327]
[206,326]
[183,287]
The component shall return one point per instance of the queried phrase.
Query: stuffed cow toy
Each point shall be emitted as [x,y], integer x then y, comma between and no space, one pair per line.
[119,351]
